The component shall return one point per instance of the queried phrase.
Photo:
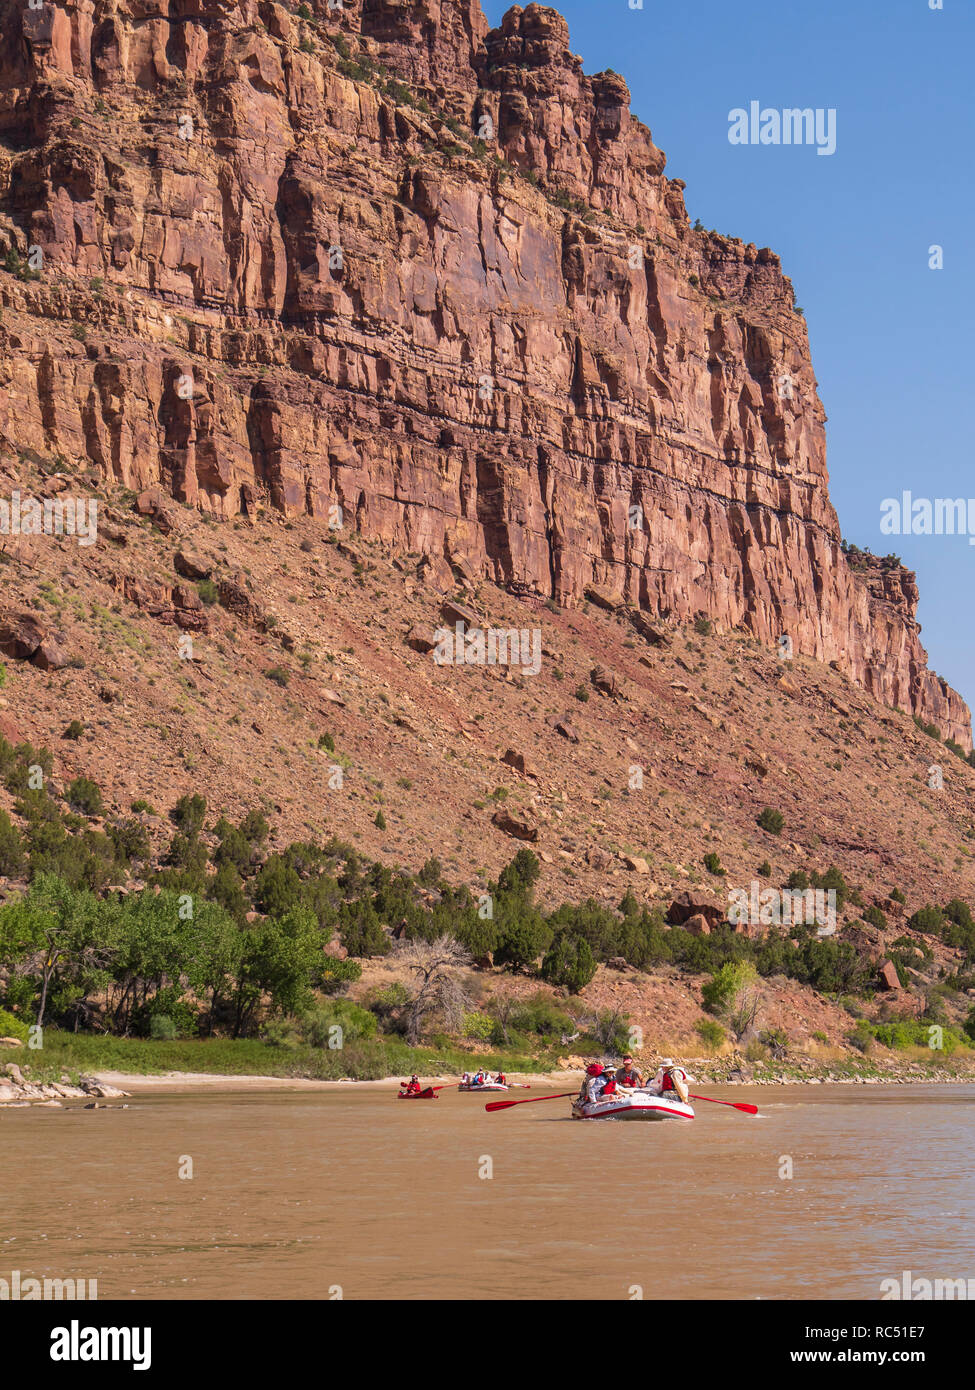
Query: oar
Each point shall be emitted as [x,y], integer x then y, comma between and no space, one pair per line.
[529,1100]
[735,1104]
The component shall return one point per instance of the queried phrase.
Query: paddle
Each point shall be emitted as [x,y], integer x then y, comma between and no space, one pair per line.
[529,1100]
[735,1104]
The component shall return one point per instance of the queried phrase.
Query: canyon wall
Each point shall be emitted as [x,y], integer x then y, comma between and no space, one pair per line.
[384,257]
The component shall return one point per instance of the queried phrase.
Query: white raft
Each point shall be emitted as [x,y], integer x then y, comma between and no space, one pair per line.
[484,1086]
[634,1105]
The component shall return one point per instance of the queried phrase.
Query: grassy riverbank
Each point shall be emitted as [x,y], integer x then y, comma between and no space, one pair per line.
[80,1053]
[77,1054]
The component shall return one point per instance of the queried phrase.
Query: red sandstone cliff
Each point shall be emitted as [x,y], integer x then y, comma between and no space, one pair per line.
[516,354]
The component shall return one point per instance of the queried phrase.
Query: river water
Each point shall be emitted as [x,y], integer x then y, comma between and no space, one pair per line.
[350,1194]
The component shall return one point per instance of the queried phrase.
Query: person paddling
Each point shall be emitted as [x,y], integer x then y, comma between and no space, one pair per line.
[671,1080]
[414,1088]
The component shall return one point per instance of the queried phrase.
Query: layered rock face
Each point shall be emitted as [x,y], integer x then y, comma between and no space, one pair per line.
[384,258]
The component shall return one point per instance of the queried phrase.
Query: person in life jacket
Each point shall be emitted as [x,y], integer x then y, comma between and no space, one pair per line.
[671,1080]
[500,1079]
[479,1079]
[627,1074]
[414,1088]
[596,1085]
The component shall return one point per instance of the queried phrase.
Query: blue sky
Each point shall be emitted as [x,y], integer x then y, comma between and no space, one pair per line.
[891,338]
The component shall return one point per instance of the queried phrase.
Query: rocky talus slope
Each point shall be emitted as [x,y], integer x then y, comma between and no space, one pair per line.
[385,265]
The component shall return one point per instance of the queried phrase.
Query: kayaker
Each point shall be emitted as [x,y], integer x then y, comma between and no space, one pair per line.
[627,1074]
[414,1088]
[671,1078]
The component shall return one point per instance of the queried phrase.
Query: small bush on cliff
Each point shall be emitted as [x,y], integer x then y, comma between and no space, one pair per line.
[85,796]
[772,821]
[928,920]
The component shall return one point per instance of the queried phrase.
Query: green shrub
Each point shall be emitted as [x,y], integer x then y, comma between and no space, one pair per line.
[74,730]
[337,974]
[928,920]
[712,1035]
[187,815]
[85,796]
[208,591]
[713,865]
[11,847]
[11,1027]
[726,982]
[569,962]
[478,1027]
[162,1028]
[319,1022]
[279,675]
[772,821]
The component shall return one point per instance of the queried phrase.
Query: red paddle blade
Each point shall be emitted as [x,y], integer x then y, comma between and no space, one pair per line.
[529,1100]
[734,1104]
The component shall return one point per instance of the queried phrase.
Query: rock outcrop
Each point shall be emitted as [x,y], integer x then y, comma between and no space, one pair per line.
[389,261]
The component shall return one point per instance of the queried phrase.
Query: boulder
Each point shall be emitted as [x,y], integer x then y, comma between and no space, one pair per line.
[688,905]
[420,639]
[454,612]
[434,572]
[521,825]
[191,565]
[606,681]
[598,858]
[888,978]
[519,762]
[562,724]
[636,863]
[698,925]
[601,598]
[25,637]
[650,632]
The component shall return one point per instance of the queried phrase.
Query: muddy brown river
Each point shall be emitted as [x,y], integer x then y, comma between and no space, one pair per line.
[354,1194]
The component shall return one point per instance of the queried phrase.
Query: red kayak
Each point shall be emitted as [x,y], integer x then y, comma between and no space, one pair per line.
[428,1094]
